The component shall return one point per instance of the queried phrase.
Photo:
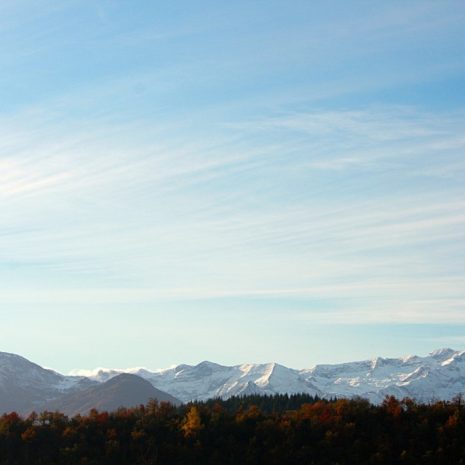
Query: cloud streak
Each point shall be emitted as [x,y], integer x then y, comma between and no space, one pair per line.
[222,204]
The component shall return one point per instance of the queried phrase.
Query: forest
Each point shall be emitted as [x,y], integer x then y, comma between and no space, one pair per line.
[252,430]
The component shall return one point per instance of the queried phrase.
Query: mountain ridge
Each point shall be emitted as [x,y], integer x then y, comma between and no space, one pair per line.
[438,375]
[420,377]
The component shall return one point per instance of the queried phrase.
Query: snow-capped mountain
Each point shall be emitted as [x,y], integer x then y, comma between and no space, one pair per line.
[25,386]
[440,375]
[208,380]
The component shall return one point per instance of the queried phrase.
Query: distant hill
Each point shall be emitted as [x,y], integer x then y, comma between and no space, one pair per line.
[124,390]
[27,387]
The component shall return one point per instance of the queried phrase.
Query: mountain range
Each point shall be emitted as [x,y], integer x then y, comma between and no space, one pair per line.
[25,386]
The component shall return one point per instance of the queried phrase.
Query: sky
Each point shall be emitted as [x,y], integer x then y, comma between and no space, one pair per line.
[245,181]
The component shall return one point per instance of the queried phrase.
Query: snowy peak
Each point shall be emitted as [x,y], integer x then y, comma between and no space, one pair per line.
[442,354]
[210,380]
[438,375]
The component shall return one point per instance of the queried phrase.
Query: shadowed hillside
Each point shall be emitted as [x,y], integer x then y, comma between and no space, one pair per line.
[124,390]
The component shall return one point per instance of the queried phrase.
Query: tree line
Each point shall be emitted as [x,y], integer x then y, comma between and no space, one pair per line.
[252,430]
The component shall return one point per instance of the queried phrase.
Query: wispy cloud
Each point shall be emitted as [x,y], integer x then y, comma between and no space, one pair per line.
[306,158]
[211,202]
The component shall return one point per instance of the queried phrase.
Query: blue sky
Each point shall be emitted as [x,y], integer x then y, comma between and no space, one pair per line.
[232,181]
